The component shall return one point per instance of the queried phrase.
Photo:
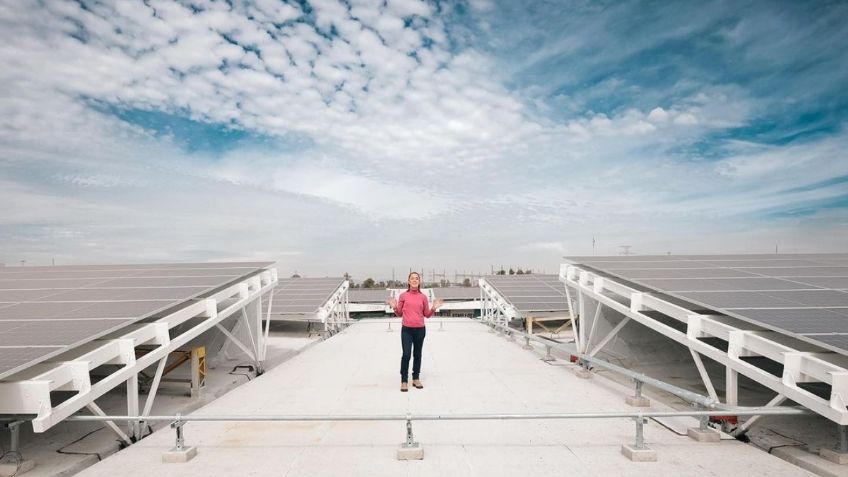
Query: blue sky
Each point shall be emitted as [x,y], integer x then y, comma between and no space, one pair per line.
[360,136]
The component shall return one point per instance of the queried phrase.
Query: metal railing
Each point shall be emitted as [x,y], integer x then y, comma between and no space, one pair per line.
[178,421]
[706,407]
[639,378]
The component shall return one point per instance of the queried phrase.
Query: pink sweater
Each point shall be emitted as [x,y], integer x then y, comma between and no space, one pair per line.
[413,306]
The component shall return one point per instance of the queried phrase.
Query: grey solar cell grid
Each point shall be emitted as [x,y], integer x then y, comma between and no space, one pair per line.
[303,296]
[529,293]
[47,310]
[725,284]
[457,293]
[368,296]
[805,296]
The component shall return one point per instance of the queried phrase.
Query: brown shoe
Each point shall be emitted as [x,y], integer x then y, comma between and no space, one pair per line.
[404,387]
[417,383]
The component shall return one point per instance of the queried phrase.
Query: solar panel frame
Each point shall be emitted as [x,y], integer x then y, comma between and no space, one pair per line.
[778,310]
[531,293]
[303,296]
[43,306]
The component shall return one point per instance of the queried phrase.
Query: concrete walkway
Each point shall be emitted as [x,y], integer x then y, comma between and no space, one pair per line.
[466,370]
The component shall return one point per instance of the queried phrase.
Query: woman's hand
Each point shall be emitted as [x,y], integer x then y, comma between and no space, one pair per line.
[437,303]
[392,303]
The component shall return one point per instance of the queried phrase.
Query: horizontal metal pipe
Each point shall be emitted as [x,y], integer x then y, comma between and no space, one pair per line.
[458,417]
[690,396]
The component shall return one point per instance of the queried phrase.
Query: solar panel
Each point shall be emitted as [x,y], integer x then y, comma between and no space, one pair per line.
[531,293]
[303,296]
[457,293]
[805,296]
[368,296]
[45,311]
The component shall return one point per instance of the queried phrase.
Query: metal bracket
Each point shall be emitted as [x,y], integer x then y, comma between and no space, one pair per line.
[410,441]
[177,425]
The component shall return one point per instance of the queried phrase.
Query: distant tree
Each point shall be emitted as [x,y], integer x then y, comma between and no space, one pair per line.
[466,282]
[296,275]
[511,271]
[501,272]
[380,284]
[528,272]
[519,272]
[347,276]
[368,283]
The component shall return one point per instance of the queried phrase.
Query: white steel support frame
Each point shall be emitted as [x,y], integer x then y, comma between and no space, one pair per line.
[802,362]
[28,392]
[335,312]
[495,308]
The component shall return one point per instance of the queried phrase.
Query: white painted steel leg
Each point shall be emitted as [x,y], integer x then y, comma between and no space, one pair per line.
[260,336]
[154,387]
[778,400]
[732,386]
[249,332]
[581,331]
[708,383]
[267,325]
[235,340]
[568,301]
[610,336]
[594,325]
[132,405]
[95,409]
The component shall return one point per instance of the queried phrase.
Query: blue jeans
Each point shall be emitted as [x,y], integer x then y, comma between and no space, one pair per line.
[411,340]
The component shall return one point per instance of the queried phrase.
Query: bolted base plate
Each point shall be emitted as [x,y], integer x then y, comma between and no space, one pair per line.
[638,455]
[11,468]
[415,452]
[703,436]
[176,456]
[834,456]
[634,401]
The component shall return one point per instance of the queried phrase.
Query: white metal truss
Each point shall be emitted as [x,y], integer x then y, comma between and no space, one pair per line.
[335,312]
[28,392]
[495,308]
[802,362]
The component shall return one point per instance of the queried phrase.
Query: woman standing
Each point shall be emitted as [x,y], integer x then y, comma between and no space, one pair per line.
[414,307]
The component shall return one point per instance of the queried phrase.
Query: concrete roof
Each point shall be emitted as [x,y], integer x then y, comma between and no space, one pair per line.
[466,369]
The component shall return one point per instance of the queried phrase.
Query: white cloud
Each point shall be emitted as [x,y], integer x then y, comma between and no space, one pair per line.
[437,137]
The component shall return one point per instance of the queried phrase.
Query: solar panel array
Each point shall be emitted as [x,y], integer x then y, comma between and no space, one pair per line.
[803,295]
[45,311]
[531,293]
[303,296]
[457,293]
[369,295]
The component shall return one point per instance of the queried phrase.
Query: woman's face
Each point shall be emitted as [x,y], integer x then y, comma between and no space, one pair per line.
[414,280]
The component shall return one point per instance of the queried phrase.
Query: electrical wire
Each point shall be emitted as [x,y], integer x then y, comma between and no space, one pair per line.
[62,450]
[249,367]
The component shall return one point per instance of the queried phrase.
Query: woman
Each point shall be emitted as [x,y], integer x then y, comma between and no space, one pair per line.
[414,307]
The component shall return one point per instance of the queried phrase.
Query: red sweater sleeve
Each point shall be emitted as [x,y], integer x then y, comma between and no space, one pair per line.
[400,303]
[427,311]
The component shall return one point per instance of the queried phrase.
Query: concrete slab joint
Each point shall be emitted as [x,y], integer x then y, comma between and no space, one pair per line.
[638,455]
[413,452]
[836,457]
[703,435]
[179,456]
[8,469]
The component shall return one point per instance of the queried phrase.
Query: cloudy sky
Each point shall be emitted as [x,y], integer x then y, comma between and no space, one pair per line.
[361,135]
